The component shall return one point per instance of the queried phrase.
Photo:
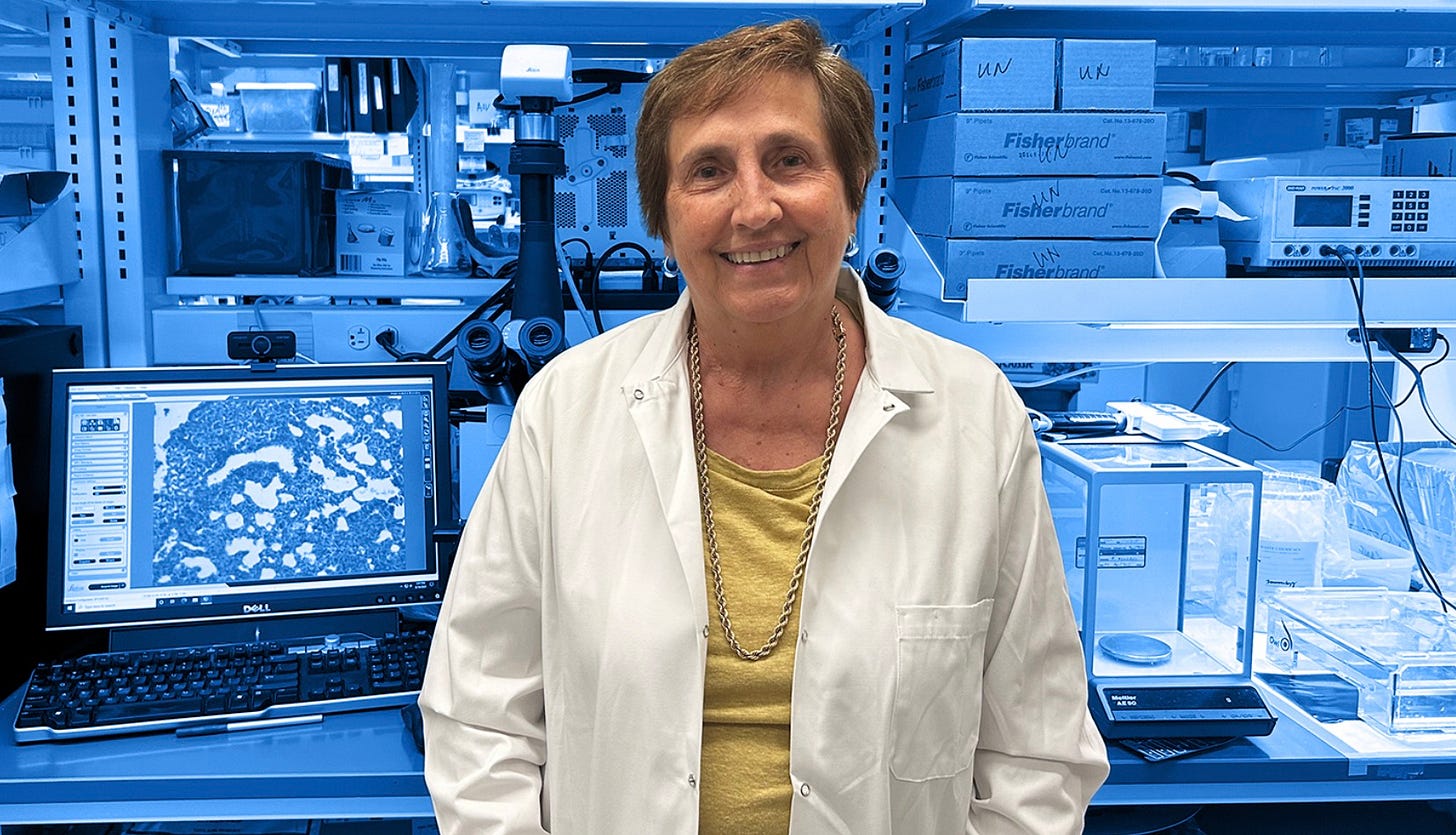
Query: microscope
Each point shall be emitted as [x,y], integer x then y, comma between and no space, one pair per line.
[534,79]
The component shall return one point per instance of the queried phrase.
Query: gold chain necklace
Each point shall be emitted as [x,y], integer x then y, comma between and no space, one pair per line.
[700,448]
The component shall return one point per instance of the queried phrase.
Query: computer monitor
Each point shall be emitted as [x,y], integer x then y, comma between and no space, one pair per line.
[186,495]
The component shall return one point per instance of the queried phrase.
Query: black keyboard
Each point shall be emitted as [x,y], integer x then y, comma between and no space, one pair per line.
[199,689]
[1086,423]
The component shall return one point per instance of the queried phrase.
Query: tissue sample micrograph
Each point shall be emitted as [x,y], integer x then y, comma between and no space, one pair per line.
[251,489]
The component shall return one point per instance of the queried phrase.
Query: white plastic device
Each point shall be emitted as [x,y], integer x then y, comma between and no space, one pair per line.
[1167,422]
[536,71]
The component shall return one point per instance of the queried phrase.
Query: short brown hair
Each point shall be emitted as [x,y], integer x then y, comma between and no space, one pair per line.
[705,76]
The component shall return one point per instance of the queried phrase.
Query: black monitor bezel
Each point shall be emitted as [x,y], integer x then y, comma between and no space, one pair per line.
[390,592]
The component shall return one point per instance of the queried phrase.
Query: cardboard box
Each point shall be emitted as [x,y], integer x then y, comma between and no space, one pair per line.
[982,74]
[1031,207]
[963,260]
[1360,127]
[375,232]
[1031,144]
[1419,155]
[1106,75]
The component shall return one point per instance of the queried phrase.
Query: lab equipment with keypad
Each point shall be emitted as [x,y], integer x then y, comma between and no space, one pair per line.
[1289,222]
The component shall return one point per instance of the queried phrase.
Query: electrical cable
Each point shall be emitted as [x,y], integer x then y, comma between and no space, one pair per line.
[387,339]
[596,275]
[576,295]
[1420,385]
[1302,438]
[258,317]
[500,296]
[585,244]
[1342,410]
[1347,256]
[609,89]
[571,277]
[1208,388]
[611,78]
[1091,369]
[1445,352]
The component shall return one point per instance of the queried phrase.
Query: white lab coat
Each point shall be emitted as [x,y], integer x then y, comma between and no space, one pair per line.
[938,684]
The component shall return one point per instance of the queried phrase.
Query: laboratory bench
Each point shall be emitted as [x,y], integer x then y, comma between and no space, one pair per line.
[365,765]
[354,765]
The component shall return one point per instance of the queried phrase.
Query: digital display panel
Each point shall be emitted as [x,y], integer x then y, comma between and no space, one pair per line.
[1322,211]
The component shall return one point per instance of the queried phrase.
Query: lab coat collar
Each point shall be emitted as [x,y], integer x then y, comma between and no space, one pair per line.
[655,390]
[659,368]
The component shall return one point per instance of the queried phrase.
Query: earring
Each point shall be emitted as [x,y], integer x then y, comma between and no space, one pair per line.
[669,266]
[851,249]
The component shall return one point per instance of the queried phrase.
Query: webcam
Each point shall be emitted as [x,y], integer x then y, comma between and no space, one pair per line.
[262,346]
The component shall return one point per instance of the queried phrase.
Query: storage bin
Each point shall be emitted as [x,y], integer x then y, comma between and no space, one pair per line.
[279,107]
[254,212]
[1398,648]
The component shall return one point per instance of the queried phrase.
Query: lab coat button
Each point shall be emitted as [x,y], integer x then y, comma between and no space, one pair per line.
[803,635]
[705,630]
[889,407]
[638,394]
[804,789]
[692,780]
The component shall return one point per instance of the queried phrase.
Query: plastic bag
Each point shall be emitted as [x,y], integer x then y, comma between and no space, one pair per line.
[1426,475]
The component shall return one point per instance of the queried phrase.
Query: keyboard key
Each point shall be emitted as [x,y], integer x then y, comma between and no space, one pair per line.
[140,711]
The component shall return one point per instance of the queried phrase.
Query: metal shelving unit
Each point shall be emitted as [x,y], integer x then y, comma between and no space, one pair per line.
[1140,319]
[1344,86]
[123,55]
[34,256]
[113,60]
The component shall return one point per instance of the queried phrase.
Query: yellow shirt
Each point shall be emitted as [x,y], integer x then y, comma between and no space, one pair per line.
[759,519]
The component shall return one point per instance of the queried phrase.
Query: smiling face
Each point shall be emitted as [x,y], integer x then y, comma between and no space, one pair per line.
[757,215]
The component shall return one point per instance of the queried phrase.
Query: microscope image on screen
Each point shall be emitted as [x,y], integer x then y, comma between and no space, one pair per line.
[289,488]
[198,493]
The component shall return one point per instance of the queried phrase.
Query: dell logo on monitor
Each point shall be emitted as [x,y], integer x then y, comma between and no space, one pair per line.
[255,608]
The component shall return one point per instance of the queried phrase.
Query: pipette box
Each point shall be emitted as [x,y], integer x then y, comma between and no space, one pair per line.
[1144,611]
[974,74]
[1032,144]
[1398,649]
[1031,207]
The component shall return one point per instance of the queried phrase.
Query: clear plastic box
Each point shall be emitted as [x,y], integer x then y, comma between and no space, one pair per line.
[1396,647]
[1145,608]
[280,106]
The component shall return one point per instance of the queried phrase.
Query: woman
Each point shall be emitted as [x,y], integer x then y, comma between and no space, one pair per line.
[771,560]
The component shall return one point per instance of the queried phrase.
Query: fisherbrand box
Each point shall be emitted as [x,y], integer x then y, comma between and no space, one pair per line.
[1030,207]
[962,260]
[1022,144]
[982,74]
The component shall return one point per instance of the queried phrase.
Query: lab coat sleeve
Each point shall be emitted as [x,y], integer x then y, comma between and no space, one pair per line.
[482,702]
[1040,757]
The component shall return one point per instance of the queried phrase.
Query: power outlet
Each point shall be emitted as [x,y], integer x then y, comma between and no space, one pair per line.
[1404,340]
[359,338]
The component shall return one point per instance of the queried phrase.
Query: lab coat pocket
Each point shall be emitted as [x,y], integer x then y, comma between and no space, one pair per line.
[937,708]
